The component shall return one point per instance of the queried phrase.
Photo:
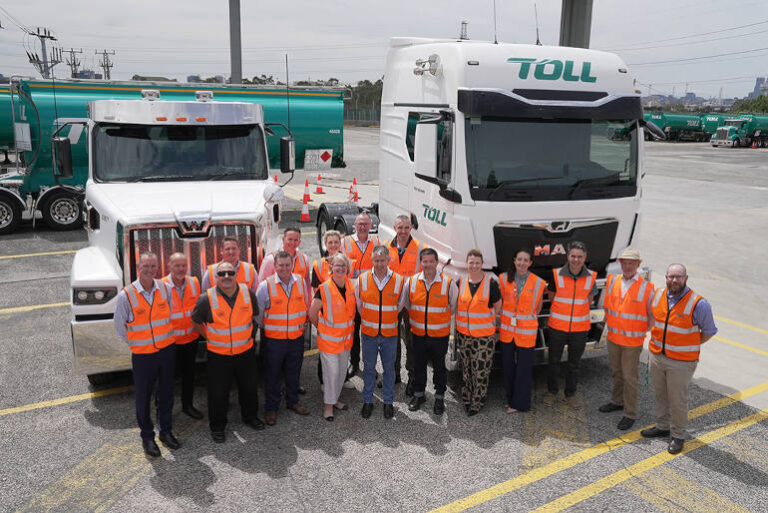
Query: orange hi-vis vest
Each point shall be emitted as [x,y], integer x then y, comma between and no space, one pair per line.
[323,269]
[627,317]
[410,263]
[301,265]
[362,257]
[286,316]
[151,328]
[336,323]
[673,333]
[519,321]
[378,316]
[570,307]
[181,318]
[430,311]
[231,331]
[473,316]
[246,274]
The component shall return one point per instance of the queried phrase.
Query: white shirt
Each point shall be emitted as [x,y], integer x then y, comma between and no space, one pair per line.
[627,283]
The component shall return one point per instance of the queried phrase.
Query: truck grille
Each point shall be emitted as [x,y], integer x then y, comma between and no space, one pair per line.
[721,134]
[164,240]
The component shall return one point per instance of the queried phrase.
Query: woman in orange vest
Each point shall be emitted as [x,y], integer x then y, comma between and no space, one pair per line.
[522,293]
[479,303]
[333,314]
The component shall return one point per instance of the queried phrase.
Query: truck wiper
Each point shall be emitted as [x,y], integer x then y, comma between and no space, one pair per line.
[504,184]
[161,178]
[600,180]
[230,174]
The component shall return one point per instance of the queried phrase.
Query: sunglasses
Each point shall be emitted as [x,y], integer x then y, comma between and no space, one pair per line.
[226,273]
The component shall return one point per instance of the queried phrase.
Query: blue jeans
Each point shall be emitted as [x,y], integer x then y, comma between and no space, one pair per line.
[372,348]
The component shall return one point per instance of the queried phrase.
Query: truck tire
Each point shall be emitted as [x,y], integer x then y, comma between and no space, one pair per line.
[62,210]
[736,143]
[10,213]
[323,225]
[100,379]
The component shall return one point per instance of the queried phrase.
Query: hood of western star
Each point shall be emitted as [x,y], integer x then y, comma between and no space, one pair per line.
[164,202]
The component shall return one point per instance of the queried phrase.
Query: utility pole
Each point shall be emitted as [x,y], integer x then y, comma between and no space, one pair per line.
[44,66]
[72,62]
[106,63]
[235,49]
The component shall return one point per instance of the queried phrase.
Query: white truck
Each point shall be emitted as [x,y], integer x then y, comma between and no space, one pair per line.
[164,176]
[503,146]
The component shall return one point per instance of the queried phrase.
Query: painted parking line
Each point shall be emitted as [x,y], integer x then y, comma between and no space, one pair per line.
[585,455]
[608,482]
[740,345]
[28,255]
[19,309]
[741,324]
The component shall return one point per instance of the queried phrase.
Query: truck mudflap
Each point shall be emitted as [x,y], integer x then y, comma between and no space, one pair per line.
[97,348]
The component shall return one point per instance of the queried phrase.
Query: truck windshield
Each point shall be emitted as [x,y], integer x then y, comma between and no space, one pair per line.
[550,160]
[136,153]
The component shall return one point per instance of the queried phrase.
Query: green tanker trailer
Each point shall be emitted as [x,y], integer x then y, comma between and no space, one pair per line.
[746,130]
[710,122]
[6,124]
[40,107]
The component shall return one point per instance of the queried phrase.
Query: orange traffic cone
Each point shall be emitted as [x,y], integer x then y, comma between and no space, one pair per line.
[354,188]
[306,191]
[319,189]
[275,178]
[754,143]
[351,196]
[304,212]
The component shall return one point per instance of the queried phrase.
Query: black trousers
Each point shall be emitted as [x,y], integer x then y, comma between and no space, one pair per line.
[424,350]
[518,374]
[282,358]
[354,354]
[556,341]
[185,367]
[222,370]
[148,368]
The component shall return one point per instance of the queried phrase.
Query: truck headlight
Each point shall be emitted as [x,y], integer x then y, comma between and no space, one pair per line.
[91,296]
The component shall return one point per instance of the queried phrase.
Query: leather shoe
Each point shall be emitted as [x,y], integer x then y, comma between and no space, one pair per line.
[409,389]
[270,418]
[439,407]
[416,403]
[609,407]
[654,432]
[150,448]
[472,413]
[255,423]
[302,390]
[675,445]
[168,440]
[389,411]
[218,436]
[367,410]
[625,423]
[299,409]
[193,412]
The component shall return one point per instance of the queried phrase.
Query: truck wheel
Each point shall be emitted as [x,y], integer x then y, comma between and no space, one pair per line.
[100,379]
[323,225]
[10,213]
[735,143]
[62,211]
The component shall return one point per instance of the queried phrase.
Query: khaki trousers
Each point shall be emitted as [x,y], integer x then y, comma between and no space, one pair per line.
[624,361]
[670,384]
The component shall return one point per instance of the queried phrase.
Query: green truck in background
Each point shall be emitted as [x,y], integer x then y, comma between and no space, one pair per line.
[32,111]
[747,130]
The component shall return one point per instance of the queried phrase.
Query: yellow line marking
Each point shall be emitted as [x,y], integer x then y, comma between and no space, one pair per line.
[65,400]
[741,324]
[742,346]
[18,309]
[586,492]
[63,252]
[586,455]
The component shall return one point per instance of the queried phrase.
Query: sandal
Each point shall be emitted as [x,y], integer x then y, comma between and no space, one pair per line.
[329,418]
[343,407]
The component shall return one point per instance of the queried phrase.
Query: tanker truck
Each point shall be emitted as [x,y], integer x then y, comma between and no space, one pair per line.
[6,126]
[710,123]
[40,107]
[746,130]
[163,176]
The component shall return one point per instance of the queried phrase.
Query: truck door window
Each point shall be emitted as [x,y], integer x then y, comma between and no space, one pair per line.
[444,142]
[410,132]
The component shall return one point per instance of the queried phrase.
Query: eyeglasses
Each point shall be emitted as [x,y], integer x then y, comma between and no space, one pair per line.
[675,277]
[226,273]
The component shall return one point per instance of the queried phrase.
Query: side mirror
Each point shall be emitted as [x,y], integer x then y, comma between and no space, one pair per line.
[287,155]
[62,157]
[425,149]
[654,130]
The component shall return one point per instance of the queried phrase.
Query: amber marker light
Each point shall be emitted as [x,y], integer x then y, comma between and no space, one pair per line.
[161,118]
[201,120]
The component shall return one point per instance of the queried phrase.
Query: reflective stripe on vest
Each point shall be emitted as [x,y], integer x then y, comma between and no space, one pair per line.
[245,274]
[626,317]
[518,320]
[569,311]
[151,328]
[181,318]
[378,313]
[361,257]
[430,311]
[336,322]
[286,316]
[409,265]
[231,331]
[473,317]
[673,333]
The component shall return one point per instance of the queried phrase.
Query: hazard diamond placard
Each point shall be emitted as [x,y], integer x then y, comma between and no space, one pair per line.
[318,160]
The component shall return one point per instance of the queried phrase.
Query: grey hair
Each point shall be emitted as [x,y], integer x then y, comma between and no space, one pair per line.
[380,250]
[341,257]
[402,217]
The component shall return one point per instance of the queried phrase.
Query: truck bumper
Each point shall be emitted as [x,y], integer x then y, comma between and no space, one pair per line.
[97,348]
[722,143]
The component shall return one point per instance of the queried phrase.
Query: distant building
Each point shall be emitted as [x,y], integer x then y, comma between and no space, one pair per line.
[4,79]
[89,74]
[142,78]
[760,87]
[192,79]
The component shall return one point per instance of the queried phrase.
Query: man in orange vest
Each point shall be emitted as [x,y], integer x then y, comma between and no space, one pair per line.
[185,291]
[404,259]
[283,299]
[225,316]
[627,317]
[574,288]
[245,272]
[682,321]
[431,300]
[379,294]
[143,319]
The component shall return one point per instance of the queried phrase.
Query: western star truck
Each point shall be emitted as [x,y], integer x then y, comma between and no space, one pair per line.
[37,108]
[746,130]
[504,146]
[164,176]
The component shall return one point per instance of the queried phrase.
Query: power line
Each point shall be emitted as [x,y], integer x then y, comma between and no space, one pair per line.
[631,49]
[702,33]
[698,58]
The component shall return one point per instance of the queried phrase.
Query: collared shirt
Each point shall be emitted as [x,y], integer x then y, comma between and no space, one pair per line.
[566,271]
[453,290]
[400,250]
[702,312]
[627,283]
[207,280]
[124,311]
[178,288]
[262,294]
[380,284]
[268,267]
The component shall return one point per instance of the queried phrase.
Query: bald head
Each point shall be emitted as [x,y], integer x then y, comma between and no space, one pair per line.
[677,278]
[178,267]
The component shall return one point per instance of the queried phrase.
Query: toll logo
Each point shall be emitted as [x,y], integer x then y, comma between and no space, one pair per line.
[554,69]
[434,214]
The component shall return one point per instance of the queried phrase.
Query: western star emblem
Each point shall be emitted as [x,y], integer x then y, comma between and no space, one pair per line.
[194,226]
